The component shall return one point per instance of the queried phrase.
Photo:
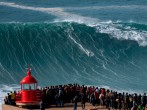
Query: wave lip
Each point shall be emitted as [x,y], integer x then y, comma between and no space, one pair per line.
[126,33]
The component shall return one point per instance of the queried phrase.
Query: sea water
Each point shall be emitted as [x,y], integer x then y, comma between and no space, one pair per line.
[100,43]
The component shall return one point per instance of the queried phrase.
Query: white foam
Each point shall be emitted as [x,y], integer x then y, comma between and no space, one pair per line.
[3,94]
[109,7]
[127,33]
[4,89]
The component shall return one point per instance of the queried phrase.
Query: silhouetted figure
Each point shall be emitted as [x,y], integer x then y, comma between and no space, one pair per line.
[83,100]
[42,105]
[9,99]
[75,100]
[144,100]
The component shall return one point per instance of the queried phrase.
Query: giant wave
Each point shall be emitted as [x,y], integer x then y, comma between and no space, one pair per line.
[68,52]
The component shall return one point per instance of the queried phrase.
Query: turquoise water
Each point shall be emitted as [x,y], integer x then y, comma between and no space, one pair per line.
[101,43]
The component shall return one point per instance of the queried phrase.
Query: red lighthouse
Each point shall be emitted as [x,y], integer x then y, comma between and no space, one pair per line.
[29,94]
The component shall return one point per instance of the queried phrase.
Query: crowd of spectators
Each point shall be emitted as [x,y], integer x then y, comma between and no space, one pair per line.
[61,94]
[10,98]
[74,93]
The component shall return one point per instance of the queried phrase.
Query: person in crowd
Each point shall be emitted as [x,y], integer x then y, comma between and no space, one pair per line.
[126,101]
[42,105]
[92,98]
[144,100]
[9,99]
[57,99]
[6,100]
[101,97]
[130,101]
[83,100]
[135,100]
[96,96]
[112,100]
[107,101]
[12,98]
[61,97]
[75,101]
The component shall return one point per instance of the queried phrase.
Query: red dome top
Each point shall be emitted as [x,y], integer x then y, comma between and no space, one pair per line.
[28,79]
